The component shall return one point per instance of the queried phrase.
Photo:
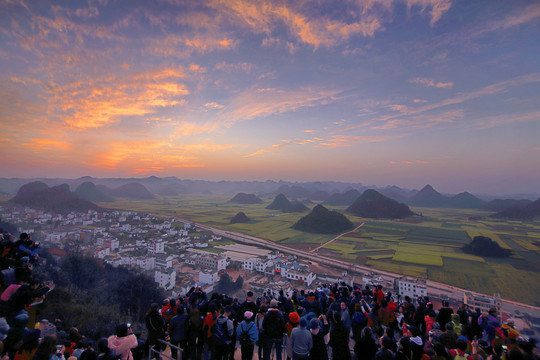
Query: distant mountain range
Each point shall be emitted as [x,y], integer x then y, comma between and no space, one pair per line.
[57,198]
[330,192]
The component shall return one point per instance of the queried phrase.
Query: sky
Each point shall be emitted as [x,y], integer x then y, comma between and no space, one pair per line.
[378,92]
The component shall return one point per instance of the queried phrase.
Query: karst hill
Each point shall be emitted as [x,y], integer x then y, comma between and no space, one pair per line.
[374,205]
[323,221]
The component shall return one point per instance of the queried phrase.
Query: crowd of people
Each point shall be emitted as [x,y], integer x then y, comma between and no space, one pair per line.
[333,321]
[336,322]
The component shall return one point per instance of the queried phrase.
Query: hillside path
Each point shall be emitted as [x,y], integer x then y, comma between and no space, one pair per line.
[336,238]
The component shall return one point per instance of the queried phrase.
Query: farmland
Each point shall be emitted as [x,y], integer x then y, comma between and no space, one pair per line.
[427,246]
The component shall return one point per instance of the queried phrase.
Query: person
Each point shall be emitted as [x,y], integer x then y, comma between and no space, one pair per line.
[445,314]
[404,351]
[345,316]
[365,348]
[249,304]
[449,337]
[178,332]
[207,328]
[221,337]
[29,345]
[489,323]
[294,319]
[104,350]
[247,334]
[47,348]
[274,328]
[460,352]
[259,323]
[384,353]
[301,341]
[122,343]
[195,335]
[154,325]
[339,339]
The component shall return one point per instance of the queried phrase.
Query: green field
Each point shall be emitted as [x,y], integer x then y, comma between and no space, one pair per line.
[427,246]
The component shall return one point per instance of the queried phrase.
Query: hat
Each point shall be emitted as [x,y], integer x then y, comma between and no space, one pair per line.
[294,317]
[314,324]
[248,314]
[303,322]
[250,294]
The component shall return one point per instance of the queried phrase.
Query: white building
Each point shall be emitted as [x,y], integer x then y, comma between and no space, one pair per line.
[146,263]
[115,244]
[484,302]
[211,261]
[102,253]
[208,277]
[156,247]
[298,275]
[249,264]
[165,278]
[164,261]
[411,287]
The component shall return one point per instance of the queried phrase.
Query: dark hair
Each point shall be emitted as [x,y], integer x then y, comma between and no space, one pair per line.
[386,342]
[46,348]
[103,345]
[461,344]
[122,330]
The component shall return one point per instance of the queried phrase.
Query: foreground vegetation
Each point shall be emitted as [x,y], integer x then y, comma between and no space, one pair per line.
[428,246]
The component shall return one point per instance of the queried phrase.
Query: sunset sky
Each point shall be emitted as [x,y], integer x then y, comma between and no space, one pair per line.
[379,92]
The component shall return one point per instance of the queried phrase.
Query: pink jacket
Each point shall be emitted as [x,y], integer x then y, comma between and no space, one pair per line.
[123,345]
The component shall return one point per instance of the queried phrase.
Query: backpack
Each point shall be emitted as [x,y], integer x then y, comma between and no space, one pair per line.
[460,357]
[244,336]
[221,333]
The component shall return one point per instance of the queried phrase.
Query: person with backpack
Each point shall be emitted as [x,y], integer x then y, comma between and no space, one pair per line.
[221,335]
[247,335]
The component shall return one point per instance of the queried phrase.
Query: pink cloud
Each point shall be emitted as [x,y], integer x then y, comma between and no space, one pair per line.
[426,82]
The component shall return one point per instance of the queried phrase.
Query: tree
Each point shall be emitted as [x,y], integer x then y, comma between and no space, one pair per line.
[239,283]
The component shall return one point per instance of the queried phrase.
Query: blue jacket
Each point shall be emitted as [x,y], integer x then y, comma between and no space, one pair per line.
[250,327]
[178,327]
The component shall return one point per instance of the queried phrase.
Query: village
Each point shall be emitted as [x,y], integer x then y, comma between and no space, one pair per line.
[179,255]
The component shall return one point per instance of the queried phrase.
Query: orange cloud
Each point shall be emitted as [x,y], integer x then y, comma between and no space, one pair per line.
[284,143]
[98,102]
[350,140]
[133,156]
[47,144]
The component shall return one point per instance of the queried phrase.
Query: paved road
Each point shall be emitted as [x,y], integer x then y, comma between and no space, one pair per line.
[336,238]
